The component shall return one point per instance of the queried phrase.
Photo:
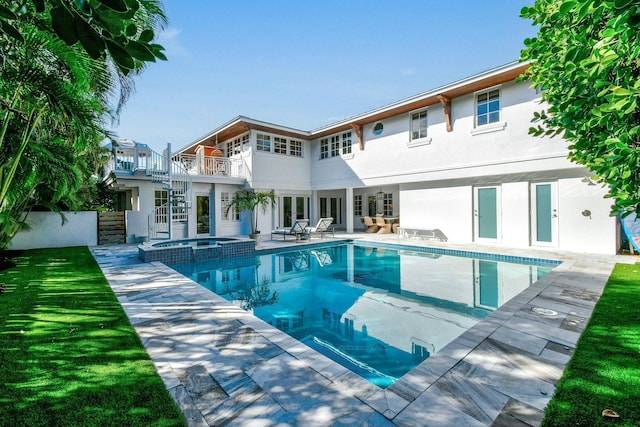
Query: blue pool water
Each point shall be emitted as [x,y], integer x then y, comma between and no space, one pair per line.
[377,310]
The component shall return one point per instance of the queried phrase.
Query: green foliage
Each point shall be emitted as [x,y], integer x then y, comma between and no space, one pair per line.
[604,372]
[69,355]
[249,201]
[586,60]
[57,89]
[124,29]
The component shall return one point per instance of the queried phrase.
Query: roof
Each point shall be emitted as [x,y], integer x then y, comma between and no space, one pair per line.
[480,81]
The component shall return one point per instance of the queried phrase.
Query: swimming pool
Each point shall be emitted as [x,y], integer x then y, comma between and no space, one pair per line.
[377,310]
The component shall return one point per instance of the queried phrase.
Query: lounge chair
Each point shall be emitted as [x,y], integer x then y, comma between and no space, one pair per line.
[298,229]
[371,226]
[323,226]
[384,227]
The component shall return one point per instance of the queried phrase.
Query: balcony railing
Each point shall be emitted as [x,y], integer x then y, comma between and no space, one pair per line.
[212,166]
[141,157]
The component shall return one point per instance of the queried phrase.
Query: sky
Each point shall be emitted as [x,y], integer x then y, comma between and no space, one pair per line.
[306,64]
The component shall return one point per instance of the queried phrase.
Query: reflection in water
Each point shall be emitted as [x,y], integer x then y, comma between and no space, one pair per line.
[377,311]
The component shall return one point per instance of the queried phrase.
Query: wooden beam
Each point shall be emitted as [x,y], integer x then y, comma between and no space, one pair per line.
[446,105]
[358,130]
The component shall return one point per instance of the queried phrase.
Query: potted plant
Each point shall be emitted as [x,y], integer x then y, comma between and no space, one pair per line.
[250,200]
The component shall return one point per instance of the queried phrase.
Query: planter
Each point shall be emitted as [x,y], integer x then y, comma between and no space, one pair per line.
[255,237]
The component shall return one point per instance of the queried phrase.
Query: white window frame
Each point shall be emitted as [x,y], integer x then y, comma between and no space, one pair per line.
[324,148]
[346,143]
[261,139]
[279,145]
[295,148]
[494,126]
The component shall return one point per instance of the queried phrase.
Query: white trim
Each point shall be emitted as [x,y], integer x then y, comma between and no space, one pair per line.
[491,127]
[419,142]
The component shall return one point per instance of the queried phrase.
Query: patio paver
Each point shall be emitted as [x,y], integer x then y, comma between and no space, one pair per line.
[225,367]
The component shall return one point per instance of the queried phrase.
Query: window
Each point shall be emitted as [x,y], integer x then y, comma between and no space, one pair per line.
[419,125]
[340,145]
[357,204]
[488,107]
[324,148]
[378,128]
[263,143]
[346,143]
[279,145]
[335,145]
[225,201]
[161,199]
[387,204]
[295,148]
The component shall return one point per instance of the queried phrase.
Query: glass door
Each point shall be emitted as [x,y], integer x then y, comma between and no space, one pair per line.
[544,214]
[203,217]
[487,213]
[293,208]
[331,207]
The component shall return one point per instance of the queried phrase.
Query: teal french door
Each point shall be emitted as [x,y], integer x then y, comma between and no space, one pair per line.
[486,213]
[544,214]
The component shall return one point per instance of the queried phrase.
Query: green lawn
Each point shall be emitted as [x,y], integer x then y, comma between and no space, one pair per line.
[68,354]
[604,372]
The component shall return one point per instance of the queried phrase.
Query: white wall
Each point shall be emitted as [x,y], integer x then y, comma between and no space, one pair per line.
[595,233]
[450,209]
[460,154]
[47,231]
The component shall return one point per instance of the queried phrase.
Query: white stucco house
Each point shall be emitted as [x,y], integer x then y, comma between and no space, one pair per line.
[457,158]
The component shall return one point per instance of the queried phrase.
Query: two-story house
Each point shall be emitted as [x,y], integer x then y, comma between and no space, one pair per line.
[457,158]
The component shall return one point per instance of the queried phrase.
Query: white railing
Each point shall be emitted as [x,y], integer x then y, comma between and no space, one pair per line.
[196,164]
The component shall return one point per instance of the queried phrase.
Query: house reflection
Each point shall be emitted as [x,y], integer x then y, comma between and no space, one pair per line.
[379,311]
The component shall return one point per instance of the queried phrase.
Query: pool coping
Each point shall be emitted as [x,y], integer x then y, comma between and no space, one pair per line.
[502,369]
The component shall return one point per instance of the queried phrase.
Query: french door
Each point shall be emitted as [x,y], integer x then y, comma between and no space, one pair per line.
[331,207]
[544,214]
[486,213]
[293,208]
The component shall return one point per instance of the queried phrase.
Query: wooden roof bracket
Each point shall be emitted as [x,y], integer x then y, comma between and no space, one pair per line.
[358,130]
[446,105]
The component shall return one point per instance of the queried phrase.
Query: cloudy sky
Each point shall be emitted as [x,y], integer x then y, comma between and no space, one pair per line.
[305,64]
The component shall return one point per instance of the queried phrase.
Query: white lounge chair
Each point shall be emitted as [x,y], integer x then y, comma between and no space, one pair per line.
[323,226]
[298,229]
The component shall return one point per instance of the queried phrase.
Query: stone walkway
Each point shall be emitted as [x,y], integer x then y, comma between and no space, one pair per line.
[223,366]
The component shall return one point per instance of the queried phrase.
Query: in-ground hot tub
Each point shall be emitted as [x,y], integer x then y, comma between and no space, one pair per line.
[185,250]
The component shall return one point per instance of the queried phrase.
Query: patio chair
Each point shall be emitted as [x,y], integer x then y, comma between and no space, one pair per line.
[298,230]
[323,226]
[371,226]
[384,227]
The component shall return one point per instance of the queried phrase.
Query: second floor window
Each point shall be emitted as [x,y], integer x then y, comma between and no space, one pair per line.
[419,125]
[279,145]
[263,143]
[295,148]
[324,148]
[335,145]
[488,107]
[346,143]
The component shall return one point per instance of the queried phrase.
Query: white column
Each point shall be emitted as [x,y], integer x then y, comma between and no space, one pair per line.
[349,191]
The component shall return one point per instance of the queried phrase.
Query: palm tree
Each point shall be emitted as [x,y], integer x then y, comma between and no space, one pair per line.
[249,201]
[55,96]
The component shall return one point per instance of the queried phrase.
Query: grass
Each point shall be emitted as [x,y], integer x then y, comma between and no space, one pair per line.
[68,354]
[604,372]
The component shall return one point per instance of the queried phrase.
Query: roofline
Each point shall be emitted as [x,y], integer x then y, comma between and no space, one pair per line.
[248,120]
[430,93]
[509,67]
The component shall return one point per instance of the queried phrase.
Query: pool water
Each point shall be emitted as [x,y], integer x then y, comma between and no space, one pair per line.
[377,310]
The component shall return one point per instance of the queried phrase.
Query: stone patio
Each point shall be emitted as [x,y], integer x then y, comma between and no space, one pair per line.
[223,366]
